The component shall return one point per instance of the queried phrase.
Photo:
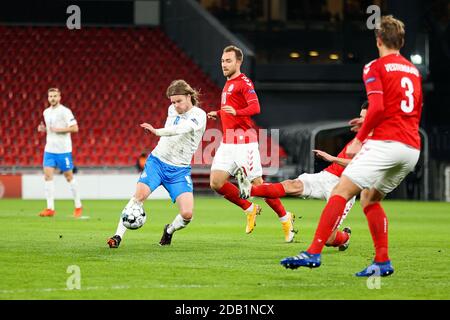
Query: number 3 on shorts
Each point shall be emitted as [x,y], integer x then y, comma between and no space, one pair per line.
[407,106]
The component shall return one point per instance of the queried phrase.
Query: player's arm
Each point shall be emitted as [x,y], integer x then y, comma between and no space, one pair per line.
[192,124]
[253,107]
[374,89]
[72,125]
[73,128]
[328,157]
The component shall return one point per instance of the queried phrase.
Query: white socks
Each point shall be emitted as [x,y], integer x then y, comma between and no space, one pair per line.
[120,227]
[286,217]
[49,188]
[177,224]
[75,193]
[249,209]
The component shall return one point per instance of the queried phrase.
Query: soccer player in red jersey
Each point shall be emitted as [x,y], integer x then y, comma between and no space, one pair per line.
[311,186]
[239,145]
[394,90]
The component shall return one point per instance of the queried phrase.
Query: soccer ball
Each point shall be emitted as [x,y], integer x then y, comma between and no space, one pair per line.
[133,217]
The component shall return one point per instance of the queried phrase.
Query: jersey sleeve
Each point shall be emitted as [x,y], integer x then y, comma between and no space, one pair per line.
[193,123]
[372,78]
[251,98]
[197,121]
[70,118]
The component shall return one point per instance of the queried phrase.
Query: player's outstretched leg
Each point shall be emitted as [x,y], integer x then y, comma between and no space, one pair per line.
[115,240]
[142,193]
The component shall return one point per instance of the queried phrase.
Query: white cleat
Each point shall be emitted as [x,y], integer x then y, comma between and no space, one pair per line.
[244,184]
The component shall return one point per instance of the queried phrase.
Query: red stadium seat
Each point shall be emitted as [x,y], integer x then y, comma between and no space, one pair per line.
[112,79]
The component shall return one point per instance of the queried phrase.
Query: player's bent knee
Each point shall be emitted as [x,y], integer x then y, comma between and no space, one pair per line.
[370,197]
[142,193]
[187,216]
[216,184]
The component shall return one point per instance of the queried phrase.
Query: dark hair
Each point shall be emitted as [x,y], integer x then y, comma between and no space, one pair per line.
[365,105]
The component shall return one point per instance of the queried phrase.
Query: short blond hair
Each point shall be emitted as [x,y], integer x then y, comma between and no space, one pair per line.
[181,87]
[238,52]
[54,90]
[391,32]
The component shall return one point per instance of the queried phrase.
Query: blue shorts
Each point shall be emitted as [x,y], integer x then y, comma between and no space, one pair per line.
[176,180]
[63,161]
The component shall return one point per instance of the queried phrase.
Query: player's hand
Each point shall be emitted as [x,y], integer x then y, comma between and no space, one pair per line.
[229,110]
[356,124]
[353,148]
[323,155]
[148,127]
[212,115]
[41,127]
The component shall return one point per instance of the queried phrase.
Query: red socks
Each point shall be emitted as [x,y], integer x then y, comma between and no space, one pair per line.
[329,220]
[231,193]
[378,226]
[276,206]
[268,190]
[341,238]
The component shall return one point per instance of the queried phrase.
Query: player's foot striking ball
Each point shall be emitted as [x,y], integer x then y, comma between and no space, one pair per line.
[114,241]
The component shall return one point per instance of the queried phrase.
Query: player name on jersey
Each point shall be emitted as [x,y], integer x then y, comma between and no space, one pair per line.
[401,67]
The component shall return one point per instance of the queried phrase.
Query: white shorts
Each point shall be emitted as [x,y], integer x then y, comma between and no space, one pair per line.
[319,186]
[230,156]
[382,165]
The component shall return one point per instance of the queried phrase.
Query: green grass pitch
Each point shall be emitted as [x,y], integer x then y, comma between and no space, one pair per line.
[213,258]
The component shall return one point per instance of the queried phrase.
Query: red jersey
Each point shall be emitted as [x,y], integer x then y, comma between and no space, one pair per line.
[240,94]
[335,168]
[394,88]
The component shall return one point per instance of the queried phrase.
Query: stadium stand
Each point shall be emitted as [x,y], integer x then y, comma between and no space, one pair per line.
[113,79]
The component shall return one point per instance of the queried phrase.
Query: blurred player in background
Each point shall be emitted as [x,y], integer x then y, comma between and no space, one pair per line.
[169,163]
[311,186]
[239,146]
[59,124]
[394,90]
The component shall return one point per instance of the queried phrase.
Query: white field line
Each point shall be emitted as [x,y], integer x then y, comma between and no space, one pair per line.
[163,286]
[116,287]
